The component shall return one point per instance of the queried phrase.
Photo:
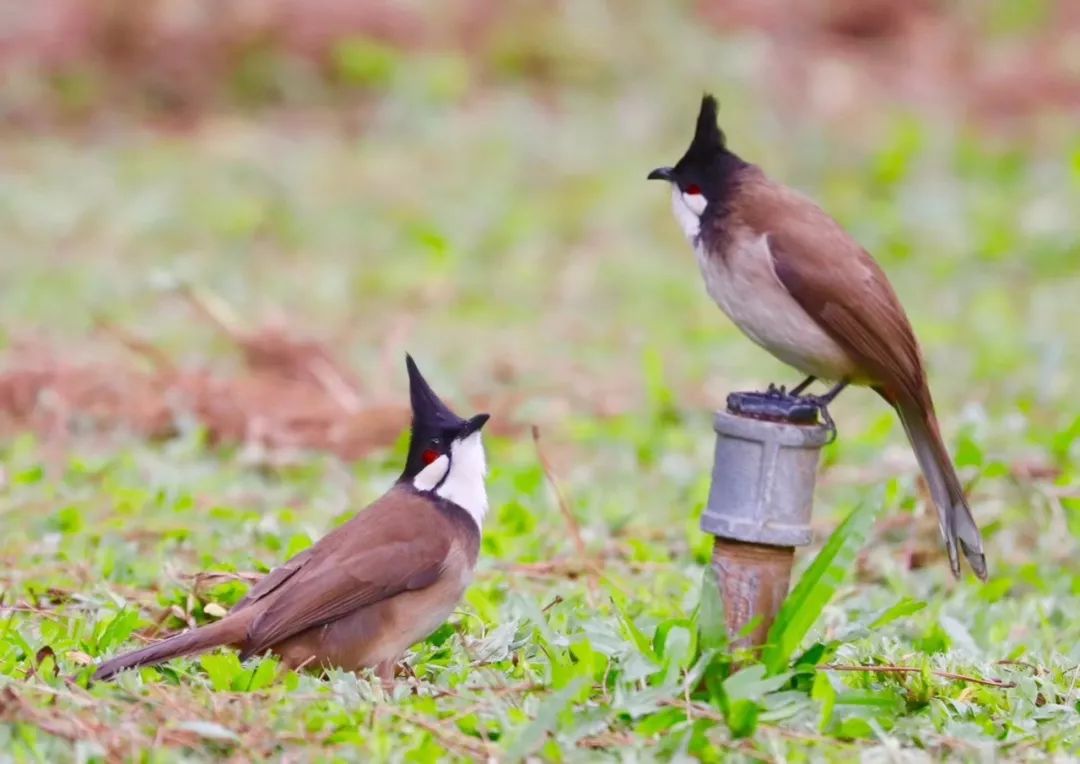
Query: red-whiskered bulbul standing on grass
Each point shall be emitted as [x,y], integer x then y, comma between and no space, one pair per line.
[799,286]
[379,583]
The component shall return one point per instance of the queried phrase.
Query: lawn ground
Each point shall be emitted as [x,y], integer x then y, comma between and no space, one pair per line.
[506,237]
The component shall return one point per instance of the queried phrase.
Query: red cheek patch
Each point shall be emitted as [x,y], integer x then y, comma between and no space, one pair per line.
[428,456]
[693,190]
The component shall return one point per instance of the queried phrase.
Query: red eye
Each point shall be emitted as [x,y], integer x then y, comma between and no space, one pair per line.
[693,189]
[429,455]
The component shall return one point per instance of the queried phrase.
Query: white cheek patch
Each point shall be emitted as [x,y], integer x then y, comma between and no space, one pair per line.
[696,203]
[688,209]
[465,484]
[432,475]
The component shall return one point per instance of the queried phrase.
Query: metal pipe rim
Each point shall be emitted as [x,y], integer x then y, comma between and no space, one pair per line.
[789,435]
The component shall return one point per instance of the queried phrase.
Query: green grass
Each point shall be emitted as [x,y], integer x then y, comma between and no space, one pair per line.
[505,235]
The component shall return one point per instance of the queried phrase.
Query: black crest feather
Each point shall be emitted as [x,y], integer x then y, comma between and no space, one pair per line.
[708,138]
[434,425]
[427,409]
[431,418]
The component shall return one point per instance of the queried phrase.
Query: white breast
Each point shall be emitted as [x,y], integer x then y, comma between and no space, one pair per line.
[745,286]
[464,485]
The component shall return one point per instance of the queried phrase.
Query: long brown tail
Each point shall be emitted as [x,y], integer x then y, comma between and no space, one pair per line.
[226,631]
[957,524]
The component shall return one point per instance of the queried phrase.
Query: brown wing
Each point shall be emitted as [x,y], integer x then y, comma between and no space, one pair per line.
[843,288]
[279,575]
[397,544]
[274,579]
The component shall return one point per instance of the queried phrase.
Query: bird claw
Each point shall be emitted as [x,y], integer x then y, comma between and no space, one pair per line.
[826,417]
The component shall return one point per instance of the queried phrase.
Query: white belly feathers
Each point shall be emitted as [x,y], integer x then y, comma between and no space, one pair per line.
[747,289]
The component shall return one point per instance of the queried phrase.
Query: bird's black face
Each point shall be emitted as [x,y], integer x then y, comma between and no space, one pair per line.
[700,175]
[702,180]
[435,428]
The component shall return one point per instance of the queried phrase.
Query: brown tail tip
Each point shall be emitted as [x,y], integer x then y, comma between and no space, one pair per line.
[103,674]
[109,669]
[977,561]
[106,671]
[975,557]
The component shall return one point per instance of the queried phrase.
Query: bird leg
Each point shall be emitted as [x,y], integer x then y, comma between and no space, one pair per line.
[822,403]
[834,391]
[801,386]
[385,672]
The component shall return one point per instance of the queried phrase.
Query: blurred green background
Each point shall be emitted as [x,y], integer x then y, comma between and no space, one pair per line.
[466,181]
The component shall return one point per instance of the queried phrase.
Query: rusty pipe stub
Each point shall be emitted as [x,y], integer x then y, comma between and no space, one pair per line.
[763,480]
[759,510]
[753,580]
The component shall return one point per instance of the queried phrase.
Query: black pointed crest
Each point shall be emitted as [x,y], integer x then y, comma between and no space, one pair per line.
[708,138]
[428,411]
[432,420]
[708,166]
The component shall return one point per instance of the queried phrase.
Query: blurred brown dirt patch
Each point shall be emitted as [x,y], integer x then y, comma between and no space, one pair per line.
[292,394]
[177,59]
[844,57]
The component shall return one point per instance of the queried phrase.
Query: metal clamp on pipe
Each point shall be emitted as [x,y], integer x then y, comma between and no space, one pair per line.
[760,502]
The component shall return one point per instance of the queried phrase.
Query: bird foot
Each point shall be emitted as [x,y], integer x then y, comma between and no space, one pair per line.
[821,403]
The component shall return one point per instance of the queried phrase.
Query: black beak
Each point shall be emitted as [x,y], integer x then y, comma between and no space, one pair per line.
[474,424]
[663,173]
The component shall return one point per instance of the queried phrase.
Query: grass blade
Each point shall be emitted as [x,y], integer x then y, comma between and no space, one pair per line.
[817,586]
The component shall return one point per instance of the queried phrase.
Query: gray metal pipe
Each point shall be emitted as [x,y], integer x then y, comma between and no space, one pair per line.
[759,510]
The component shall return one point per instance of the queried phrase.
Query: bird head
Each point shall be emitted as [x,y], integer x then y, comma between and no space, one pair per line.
[702,175]
[446,454]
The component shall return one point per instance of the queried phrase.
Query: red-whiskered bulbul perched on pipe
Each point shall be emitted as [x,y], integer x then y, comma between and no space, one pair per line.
[801,287]
[379,583]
